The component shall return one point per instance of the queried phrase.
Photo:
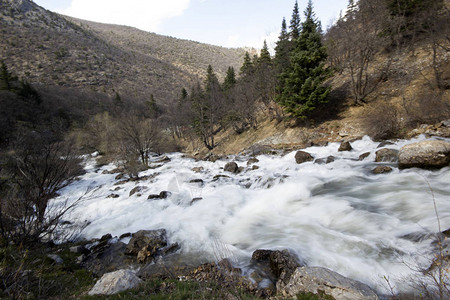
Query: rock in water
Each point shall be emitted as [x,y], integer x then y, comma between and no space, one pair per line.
[345,146]
[386,155]
[115,282]
[315,279]
[231,167]
[425,154]
[382,170]
[302,156]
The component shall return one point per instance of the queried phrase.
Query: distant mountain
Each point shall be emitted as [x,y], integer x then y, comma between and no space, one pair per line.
[47,48]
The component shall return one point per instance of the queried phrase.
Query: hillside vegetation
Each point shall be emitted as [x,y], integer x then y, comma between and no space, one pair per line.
[50,49]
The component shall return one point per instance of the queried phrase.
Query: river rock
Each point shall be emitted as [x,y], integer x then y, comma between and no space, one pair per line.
[386,155]
[197,169]
[146,243]
[345,146]
[425,154]
[315,279]
[382,170]
[115,282]
[302,156]
[325,160]
[252,160]
[231,167]
[364,156]
[280,263]
[137,189]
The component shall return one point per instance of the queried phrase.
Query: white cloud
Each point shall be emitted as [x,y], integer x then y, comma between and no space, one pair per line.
[143,14]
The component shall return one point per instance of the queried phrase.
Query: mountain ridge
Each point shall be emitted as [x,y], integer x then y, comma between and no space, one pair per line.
[44,47]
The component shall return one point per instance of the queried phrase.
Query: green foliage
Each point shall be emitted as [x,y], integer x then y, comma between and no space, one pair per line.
[295,25]
[264,57]
[230,79]
[247,67]
[311,296]
[302,88]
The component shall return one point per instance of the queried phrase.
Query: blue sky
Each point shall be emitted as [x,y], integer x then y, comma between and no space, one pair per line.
[229,23]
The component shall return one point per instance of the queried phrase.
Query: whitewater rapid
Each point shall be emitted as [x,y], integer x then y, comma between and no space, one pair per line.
[337,215]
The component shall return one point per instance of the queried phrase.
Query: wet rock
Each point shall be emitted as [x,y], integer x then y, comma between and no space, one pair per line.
[171,266]
[386,155]
[211,157]
[217,177]
[319,143]
[120,176]
[114,282]
[231,167]
[327,160]
[345,146]
[280,263]
[196,200]
[425,154]
[153,197]
[364,156]
[56,258]
[302,156]
[316,279]
[197,169]
[384,144]
[252,160]
[145,244]
[125,235]
[382,170]
[255,167]
[137,189]
[197,181]
[164,194]
[113,196]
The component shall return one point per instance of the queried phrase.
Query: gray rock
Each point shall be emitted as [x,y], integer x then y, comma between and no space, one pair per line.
[315,279]
[325,160]
[145,244]
[364,156]
[113,196]
[425,154]
[382,170]
[197,169]
[302,156]
[231,167]
[386,155]
[79,250]
[115,282]
[345,146]
[137,189]
[252,160]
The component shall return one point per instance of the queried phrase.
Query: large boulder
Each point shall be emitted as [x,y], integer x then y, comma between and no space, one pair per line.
[115,282]
[302,156]
[425,154]
[320,280]
[386,155]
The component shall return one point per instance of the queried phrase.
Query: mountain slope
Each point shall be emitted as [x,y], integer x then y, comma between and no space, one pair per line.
[47,48]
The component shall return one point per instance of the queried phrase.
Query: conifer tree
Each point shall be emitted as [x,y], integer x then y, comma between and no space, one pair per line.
[264,57]
[303,88]
[282,49]
[230,79]
[247,66]
[295,23]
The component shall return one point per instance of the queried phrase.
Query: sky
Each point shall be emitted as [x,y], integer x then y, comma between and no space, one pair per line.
[228,23]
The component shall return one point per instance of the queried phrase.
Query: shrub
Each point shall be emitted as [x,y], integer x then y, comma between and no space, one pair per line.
[381,121]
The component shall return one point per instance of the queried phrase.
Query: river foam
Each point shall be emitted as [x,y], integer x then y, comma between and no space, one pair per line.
[337,215]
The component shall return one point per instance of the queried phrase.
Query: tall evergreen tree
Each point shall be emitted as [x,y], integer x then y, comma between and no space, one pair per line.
[230,79]
[295,23]
[247,66]
[264,57]
[282,49]
[303,88]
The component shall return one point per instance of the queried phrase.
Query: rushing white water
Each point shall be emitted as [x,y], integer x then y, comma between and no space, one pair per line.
[338,215]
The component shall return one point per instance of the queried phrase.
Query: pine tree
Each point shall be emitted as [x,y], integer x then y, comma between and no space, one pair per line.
[295,23]
[153,107]
[303,88]
[230,79]
[184,94]
[282,49]
[264,58]
[247,66]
